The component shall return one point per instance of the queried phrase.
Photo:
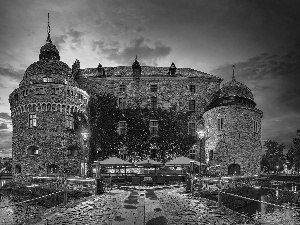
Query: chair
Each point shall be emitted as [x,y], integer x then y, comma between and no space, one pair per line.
[148,180]
[108,184]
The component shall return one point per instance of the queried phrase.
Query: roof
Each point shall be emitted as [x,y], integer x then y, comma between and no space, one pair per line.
[148,71]
[180,161]
[235,88]
[114,161]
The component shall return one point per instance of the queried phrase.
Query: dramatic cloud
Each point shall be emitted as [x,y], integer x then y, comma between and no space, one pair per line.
[59,41]
[273,78]
[3,126]
[5,116]
[10,72]
[147,54]
[5,143]
[76,38]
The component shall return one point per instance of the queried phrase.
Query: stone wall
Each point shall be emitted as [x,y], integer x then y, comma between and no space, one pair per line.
[50,102]
[237,143]
[172,91]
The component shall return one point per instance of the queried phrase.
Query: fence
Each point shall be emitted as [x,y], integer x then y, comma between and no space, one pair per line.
[25,211]
[284,213]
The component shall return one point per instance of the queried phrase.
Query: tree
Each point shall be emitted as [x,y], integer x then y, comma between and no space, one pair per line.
[172,138]
[293,154]
[273,157]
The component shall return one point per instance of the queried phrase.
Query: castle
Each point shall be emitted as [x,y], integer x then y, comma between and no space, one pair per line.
[42,109]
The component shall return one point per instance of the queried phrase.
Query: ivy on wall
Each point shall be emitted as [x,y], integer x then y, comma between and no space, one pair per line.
[104,115]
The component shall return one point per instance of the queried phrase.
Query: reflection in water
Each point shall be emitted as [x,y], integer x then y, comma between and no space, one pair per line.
[268,211]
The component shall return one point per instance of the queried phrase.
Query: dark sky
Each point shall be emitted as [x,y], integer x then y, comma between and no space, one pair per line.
[260,37]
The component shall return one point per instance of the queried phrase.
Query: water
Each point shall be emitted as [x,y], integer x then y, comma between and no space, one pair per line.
[265,209]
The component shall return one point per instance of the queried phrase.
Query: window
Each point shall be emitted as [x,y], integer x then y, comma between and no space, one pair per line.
[153,153]
[192,105]
[122,103]
[153,88]
[255,126]
[192,88]
[69,122]
[18,169]
[32,120]
[122,129]
[47,79]
[72,151]
[68,92]
[40,91]
[33,150]
[16,97]
[211,154]
[192,153]
[192,128]
[153,127]
[122,88]
[153,102]
[220,124]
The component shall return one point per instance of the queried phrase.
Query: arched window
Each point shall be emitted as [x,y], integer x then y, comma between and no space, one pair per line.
[39,107]
[34,108]
[48,107]
[17,169]
[53,107]
[44,107]
[58,108]
[234,169]
[72,150]
[52,168]
[33,150]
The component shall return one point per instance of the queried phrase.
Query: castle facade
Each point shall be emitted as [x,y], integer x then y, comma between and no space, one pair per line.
[42,108]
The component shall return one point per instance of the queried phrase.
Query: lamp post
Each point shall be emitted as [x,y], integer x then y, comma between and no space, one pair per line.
[201,134]
[85,136]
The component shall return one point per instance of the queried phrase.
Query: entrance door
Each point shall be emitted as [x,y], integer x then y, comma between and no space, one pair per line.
[234,169]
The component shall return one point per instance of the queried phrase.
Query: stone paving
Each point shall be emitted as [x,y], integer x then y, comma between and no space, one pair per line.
[139,205]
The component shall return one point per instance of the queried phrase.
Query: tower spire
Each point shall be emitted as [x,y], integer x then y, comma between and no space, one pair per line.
[48,31]
[233,78]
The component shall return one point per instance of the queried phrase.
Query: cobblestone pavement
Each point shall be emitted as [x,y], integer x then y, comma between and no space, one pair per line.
[158,205]
[180,208]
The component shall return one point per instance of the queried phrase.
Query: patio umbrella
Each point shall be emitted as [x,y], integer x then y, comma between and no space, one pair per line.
[181,161]
[149,163]
[115,161]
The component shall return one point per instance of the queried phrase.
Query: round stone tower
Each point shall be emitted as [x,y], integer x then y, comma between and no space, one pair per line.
[46,112]
[233,131]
